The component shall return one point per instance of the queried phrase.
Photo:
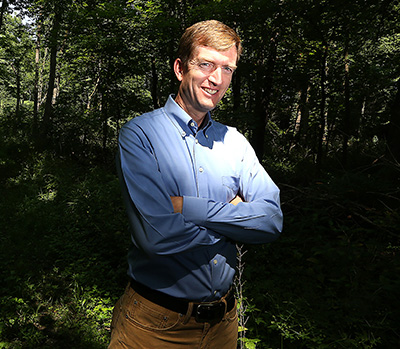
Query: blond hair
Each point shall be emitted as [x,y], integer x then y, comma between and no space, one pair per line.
[209,33]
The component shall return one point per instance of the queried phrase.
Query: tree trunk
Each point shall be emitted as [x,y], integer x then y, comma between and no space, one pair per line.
[322,123]
[95,88]
[18,81]
[303,113]
[154,84]
[346,121]
[48,110]
[36,100]
[393,130]
[236,90]
[263,96]
[3,10]
[104,114]
[257,139]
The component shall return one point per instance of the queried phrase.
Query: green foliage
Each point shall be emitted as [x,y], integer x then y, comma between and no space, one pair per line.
[62,254]
[114,62]
[16,66]
[328,282]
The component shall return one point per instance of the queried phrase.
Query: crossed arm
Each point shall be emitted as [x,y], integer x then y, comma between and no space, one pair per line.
[252,217]
[177,202]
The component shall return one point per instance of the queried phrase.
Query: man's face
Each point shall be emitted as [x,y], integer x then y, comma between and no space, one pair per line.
[205,81]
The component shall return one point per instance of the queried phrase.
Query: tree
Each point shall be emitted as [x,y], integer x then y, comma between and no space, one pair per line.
[311,79]
[53,45]
[15,53]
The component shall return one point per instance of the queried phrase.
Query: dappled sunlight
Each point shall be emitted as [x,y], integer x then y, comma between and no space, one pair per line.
[316,92]
[62,245]
[47,196]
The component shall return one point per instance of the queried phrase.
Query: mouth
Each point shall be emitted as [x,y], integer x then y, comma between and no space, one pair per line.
[209,91]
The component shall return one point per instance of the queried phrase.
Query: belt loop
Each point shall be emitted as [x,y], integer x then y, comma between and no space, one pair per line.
[188,313]
[226,306]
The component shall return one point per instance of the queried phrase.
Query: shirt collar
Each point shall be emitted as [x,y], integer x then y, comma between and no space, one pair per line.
[183,119]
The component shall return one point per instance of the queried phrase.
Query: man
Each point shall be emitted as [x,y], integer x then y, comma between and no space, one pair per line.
[192,188]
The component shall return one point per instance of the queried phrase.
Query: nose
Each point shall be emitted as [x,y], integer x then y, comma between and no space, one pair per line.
[216,76]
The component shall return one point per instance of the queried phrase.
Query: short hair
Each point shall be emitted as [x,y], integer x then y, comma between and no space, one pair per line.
[211,33]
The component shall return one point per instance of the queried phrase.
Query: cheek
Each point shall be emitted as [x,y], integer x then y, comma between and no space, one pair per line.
[226,83]
[224,89]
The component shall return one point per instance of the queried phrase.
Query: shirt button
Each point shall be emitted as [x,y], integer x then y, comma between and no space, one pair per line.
[215,262]
[201,169]
[192,124]
[183,134]
[196,141]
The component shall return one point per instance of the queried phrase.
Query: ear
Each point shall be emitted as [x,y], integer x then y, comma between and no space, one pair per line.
[178,69]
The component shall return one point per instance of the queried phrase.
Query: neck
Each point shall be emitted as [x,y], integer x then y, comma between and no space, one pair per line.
[199,118]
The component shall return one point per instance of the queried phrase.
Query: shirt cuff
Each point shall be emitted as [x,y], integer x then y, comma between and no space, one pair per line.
[195,209]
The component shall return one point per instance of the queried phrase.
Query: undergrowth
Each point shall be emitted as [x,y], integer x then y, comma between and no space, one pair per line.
[330,281]
[63,248]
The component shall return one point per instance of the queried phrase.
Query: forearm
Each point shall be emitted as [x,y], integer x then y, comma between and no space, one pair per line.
[177,202]
[259,221]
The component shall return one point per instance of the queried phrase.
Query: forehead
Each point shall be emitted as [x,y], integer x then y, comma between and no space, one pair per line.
[227,57]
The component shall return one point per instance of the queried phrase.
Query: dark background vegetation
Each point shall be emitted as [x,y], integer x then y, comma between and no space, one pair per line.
[317,93]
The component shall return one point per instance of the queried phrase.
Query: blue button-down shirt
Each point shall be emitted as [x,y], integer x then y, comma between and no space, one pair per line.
[191,255]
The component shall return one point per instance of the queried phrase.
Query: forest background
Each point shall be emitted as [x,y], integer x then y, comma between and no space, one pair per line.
[317,92]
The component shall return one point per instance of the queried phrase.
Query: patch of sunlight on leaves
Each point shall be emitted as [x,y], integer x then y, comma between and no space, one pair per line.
[249,343]
[390,44]
[241,329]
[291,328]
[393,248]
[47,196]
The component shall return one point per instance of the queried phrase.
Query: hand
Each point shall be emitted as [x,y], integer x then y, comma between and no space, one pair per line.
[177,202]
[236,200]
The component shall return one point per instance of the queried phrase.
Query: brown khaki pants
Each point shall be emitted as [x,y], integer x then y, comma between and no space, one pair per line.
[140,324]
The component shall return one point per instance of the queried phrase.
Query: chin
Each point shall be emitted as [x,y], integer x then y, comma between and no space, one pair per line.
[207,105]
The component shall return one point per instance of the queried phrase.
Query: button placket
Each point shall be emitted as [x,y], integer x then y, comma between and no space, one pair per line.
[196,142]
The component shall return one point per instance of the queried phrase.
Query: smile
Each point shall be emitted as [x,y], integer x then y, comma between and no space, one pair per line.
[210,91]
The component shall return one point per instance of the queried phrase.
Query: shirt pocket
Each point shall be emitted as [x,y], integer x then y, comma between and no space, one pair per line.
[231,185]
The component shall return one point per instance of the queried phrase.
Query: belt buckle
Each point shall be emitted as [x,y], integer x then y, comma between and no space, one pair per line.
[210,312]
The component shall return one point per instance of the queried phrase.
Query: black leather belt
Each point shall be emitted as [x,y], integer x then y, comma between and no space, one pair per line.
[211,312]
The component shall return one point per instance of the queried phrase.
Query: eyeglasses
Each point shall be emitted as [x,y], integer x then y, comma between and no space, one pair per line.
[209,67]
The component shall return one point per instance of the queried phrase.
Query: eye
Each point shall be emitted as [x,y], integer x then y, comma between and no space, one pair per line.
[206,66]
[228,70]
